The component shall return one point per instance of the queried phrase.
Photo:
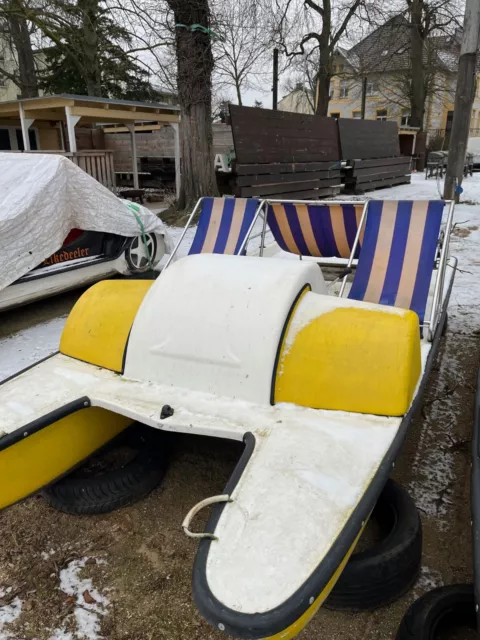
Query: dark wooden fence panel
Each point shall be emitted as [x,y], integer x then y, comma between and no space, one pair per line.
[266,136]
[368,138]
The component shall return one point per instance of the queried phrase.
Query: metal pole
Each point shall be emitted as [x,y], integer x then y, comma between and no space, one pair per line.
[464,97]
[364,96]
[275,80]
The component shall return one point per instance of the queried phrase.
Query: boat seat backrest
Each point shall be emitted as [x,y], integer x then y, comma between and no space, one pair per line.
[398,253]
[223,225]
[318,230]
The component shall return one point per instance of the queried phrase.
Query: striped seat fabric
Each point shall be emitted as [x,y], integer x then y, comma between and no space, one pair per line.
[398,254]
[318,230]
[223,225]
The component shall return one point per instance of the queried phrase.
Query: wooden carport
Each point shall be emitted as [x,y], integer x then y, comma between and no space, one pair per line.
[71,109]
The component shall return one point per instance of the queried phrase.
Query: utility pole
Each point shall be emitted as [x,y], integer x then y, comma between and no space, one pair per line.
[464,97]
[275,80]
[364,96]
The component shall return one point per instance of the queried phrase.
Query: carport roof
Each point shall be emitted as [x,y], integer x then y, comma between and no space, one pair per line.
[89,109]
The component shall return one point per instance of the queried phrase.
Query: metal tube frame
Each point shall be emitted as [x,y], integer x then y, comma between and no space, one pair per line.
[432,322]
[189,222]
[354,248]
[250,228]
[179,241]
[268,201]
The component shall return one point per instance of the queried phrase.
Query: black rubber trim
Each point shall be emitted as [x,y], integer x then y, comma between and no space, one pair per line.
[261,625]
[124,357]
[282,336]
[475,499]
[40,423]
[30,366]
[30,278]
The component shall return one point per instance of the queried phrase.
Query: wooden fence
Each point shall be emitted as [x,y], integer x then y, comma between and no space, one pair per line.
[283,154]
[371,149]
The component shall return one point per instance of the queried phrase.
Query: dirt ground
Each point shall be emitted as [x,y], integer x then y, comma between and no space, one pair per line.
[141,562]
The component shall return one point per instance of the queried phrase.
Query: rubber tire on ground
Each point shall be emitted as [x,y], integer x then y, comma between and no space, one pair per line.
[115,488]
[381,574]
[452,604]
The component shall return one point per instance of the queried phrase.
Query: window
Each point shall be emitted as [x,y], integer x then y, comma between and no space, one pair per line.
[2,78]
[343,89]
[381,114]
[357,115]
[405,120]
[372,87]
[340,68]
[335,115]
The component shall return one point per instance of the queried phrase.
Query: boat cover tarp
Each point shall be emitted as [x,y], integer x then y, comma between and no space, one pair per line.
[43,197]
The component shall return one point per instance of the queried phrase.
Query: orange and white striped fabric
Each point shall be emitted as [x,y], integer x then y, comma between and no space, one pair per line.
[318,230]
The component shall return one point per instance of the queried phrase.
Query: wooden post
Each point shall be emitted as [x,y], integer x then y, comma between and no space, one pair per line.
[464,97]
[71,122]
[275,80]
[364,96]
[131,128]
[176,132]
[25,124]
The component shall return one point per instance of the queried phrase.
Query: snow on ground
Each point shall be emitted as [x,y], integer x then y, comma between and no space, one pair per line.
[8,612]
[29,345]
[90,603]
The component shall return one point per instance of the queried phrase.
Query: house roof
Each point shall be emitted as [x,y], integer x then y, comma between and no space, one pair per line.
[387,49]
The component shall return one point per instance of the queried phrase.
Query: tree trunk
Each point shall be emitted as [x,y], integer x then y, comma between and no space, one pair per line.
[325,71]
[91,66]
[27,73]
[194,79]
[239,93]
[417,94]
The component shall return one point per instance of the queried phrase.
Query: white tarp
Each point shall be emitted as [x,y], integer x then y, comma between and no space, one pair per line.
[43,197]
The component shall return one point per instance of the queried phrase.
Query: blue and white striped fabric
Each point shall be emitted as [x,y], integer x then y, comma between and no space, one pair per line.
[398,253]
[223,225]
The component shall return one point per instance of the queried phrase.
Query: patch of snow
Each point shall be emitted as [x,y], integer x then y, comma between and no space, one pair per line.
[29,345]
[87,613]
[433,461]
[427,580]
[61,634]
[8,613]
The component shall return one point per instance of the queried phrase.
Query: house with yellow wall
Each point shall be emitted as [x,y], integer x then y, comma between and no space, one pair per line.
[381,63]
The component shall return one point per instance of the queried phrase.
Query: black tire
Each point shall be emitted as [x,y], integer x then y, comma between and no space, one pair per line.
[111,489]
[440,609]
[135,262]
[381,574]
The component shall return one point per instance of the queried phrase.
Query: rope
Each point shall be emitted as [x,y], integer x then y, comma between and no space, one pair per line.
[135,209]
[199,27]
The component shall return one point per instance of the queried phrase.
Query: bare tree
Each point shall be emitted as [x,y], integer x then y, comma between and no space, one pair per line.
[241,46]
[306,26]
[15,29]
[426,19]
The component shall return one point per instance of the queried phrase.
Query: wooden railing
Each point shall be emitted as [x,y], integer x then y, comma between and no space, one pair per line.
[98,164]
